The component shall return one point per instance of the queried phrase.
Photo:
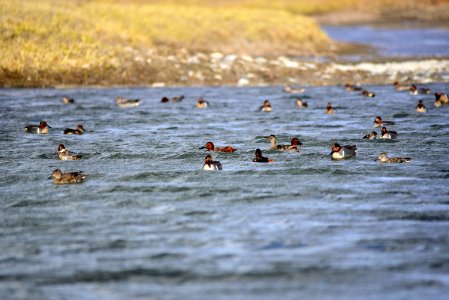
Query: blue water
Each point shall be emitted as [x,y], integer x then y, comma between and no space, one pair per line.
[148,223]
[395,42]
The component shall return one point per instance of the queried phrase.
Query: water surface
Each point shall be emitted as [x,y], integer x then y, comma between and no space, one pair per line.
[149,223]
[394,42]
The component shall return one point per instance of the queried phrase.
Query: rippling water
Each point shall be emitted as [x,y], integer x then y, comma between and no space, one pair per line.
[149,223]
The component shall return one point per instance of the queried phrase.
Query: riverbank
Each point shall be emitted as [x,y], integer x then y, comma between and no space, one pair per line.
[110,43]
[218,69]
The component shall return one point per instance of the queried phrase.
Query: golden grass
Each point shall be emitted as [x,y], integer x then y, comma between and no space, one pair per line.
[52,38]
[127,41]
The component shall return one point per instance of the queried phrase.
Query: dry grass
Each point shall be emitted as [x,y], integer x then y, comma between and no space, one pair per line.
[128,41]
[46,40]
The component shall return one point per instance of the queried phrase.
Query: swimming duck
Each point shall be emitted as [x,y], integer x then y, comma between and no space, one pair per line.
[352,88]
[415,91]
[300,103]
[266,106]
[202,103]
[259,158]
[79,130]
[123,102]
[42,128]
[378,122]
[368,94]
[177,98]
[329,109]
[341,152]
[383,158]
[441,98]
[400,87]
[289,89]
[67,178]
[420,107]
[385,134]
[66,100]
[64,154]
[211,147]
[293,147]
[173,99]
[211,165]
[370,136]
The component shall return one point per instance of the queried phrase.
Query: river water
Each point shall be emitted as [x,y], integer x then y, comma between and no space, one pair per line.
[390,42]
[148,223]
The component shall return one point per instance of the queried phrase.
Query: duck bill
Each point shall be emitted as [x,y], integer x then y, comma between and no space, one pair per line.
[49,126]
[202,147]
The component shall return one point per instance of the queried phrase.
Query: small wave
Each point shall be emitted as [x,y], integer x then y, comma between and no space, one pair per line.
[126,156]
[419,216]
[28,203]
[48,156]
[107,276]
[401,115]
[198,213]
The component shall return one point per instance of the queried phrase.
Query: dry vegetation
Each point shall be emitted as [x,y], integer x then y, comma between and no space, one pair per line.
[115,42]
[84,42]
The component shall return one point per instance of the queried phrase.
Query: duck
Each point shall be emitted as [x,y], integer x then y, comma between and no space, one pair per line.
[67,178]
[266,106]
[352,88]
[385,134]
[123,102]
[341,152]
[211,165]
[202,103]
[64,154]
[177,98]
[67,100]
[398,87]
[289,89]
[173,99]
[415,91]
[441,98]
[259,158]
[378,122]
[383,158]
[293,147]
[301,103]
[368,94]
[79,130]
[211,147]
[420,107]
[370,136]
[329,109]
[42,128]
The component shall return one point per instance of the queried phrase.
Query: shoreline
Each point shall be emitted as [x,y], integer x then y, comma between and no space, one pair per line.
[216,69]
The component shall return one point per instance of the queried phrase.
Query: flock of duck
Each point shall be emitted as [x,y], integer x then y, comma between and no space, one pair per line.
[338,152]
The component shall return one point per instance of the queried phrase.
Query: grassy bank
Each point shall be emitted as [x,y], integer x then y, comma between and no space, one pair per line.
[177,42]
[114,42]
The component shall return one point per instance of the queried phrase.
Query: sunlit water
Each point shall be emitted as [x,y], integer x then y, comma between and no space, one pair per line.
[148,223]
[394,42]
